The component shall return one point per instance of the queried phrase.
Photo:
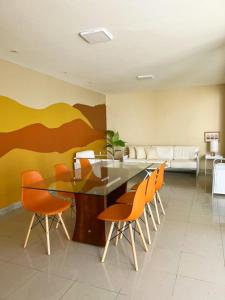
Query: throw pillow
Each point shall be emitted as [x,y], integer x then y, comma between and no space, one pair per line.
[151,153]
[140,150]
[132,153]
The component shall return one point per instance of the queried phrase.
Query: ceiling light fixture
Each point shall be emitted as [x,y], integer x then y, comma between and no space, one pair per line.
[148,76]
[97,35]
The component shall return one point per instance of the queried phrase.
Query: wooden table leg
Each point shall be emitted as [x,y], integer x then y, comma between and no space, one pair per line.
[88,229]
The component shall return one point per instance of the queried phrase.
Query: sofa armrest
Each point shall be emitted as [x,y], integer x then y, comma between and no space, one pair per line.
[198,163]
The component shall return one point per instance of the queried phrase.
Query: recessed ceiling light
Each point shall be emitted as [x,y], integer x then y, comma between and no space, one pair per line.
[13,51]
[97,35]
[147,76]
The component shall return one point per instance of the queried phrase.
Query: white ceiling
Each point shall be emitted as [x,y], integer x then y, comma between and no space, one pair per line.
[181,42]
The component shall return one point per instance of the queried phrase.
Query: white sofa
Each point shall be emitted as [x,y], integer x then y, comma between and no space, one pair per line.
[178,158]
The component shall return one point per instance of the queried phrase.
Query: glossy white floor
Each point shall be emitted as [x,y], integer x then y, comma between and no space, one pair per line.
[185,261]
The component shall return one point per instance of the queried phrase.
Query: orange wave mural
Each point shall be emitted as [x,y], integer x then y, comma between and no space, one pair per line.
[96,115]
[39,138]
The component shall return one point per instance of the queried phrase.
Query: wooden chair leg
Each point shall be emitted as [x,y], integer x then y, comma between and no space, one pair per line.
[142,235]
[156,209]
[29,230]
[117,234]
[47,234]
[147,227]
[64,227]
[160,202]
[152,217]
[107,242]
[133,247]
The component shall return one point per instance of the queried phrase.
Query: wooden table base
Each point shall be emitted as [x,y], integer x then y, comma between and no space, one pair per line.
[88,229]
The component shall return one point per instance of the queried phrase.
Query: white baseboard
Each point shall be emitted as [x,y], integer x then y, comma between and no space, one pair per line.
[10,208]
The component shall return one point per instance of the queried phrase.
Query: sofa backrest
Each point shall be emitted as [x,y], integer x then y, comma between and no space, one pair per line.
[185,152]
[160,152]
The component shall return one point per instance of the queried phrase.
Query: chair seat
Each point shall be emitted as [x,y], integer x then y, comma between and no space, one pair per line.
[115,213]
[126,198]
[50,206]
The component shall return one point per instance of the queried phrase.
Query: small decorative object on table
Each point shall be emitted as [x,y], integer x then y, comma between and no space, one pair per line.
[212,137]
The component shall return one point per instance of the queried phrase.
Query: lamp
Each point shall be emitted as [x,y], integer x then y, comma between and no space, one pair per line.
[214,146]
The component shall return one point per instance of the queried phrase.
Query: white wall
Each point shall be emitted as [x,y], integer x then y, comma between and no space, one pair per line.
[175,117]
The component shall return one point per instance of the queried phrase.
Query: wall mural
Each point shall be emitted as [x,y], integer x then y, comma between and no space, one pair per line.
[39,138]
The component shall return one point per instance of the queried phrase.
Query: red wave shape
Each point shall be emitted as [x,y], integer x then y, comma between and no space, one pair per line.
[39,138]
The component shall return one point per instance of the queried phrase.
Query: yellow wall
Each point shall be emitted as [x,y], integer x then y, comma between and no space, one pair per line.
[175,117]
[27,98]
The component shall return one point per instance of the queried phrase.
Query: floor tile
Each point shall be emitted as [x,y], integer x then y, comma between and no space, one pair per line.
[203,239]
[203,268]
[190,289]
[76,266]
[164,260]
[171,235]
[82,291]
[12,277]
[146,284]
[42,286]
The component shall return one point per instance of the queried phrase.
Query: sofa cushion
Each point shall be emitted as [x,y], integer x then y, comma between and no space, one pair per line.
[132,153]
[159,161]
[185,152]
[160,152]
[134,160]
[184,164]
[140,152]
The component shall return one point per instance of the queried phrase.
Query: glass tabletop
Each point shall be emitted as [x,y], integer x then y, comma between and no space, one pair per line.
[100,178]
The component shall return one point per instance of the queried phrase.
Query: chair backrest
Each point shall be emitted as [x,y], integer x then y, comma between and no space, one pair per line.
[150,191]
[62,169]
[85,163]
[30,197]
[85,166]
[139,201]
[160,177]
[84,154]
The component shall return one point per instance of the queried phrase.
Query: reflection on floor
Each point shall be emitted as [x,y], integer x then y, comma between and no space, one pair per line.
[186,260]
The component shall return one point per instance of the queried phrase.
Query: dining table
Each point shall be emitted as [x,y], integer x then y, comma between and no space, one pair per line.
[94,188]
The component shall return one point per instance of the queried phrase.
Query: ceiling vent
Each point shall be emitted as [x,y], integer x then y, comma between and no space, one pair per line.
[148,76]
[98,35]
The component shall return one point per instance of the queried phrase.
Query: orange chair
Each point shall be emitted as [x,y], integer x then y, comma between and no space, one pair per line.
[60,170]
[158,185]
[149,197]
[118,213]
[42,204]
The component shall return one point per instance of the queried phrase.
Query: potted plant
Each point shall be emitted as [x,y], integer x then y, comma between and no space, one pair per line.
[114,143]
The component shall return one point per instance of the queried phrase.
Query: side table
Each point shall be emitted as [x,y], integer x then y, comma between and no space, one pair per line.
[208,156]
